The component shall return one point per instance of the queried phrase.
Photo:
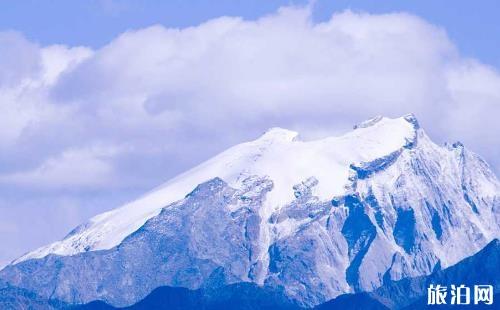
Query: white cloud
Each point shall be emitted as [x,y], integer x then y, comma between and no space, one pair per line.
[177,96]
[77,169]
[241,76]
[187,93]
[19,58]
[56,59]
[27,73]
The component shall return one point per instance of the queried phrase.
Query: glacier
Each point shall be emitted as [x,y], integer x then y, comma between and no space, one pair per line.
[315,219]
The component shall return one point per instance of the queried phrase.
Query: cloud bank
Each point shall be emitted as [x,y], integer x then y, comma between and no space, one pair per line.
[116,121]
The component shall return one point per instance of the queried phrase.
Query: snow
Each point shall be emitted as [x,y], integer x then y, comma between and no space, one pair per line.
[278,154]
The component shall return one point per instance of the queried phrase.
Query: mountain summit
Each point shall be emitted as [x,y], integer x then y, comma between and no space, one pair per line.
[315,219]
[277,154]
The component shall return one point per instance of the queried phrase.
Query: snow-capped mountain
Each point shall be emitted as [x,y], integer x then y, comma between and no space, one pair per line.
[314,218]
[278,154]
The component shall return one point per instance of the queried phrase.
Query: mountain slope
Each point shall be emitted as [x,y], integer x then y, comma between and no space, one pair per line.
[13,298]
[315,219]
[359,301]
[408,293]
[411,293]
[241,296]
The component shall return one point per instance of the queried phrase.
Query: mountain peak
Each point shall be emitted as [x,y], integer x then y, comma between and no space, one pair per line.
[279,134]
[412,119]
[369,122]
[274,154]
[408,118]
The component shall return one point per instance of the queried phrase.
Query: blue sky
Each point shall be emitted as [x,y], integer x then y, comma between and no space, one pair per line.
[472,25]
[98,106]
